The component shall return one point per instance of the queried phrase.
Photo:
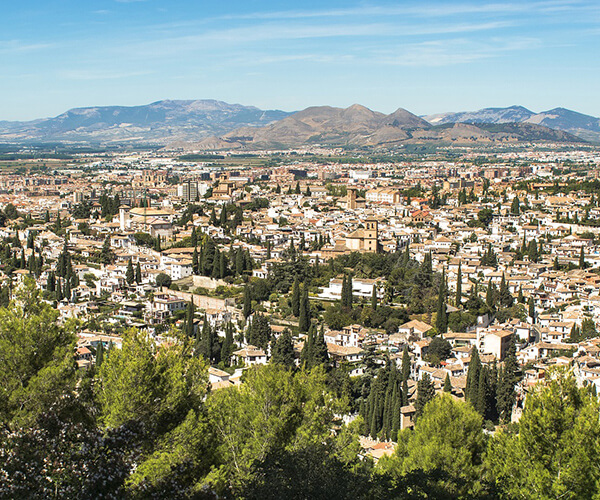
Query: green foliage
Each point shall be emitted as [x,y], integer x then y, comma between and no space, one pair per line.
[36,354]
[283,350]
[448,441]
[163,279]
[273,411]
[425,393]
[155,386]
[556,449]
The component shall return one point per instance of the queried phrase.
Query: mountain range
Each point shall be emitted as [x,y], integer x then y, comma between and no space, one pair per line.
[159,122]
[210,124]
[584,126]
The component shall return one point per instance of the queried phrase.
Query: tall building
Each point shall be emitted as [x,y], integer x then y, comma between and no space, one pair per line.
[188,190]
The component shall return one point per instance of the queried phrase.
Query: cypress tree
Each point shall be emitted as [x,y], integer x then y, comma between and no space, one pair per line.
[459,286]
[296,298]
[447,384]
[473,376]
[138,273]
[195,262]
[506,298]
[489,295]
[531,307]
[425,393]
[374,298]
[247,309]
[304,315]
[129,274]
[506,385]
[582,264]
[406,368]
[283,350]
[404,392]
[268,249]
[441,320]
[320,354]
[99,355]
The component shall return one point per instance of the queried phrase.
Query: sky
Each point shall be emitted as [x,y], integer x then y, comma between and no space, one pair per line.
[422,56]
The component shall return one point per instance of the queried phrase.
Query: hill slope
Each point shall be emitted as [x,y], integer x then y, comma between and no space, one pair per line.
[156,122]
[584,126]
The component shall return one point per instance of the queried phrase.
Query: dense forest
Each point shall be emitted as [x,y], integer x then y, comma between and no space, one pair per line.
[144,424]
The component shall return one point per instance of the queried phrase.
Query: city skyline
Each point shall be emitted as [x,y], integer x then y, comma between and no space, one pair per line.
[428,58]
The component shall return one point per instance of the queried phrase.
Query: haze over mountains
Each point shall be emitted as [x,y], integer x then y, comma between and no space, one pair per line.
[210,124]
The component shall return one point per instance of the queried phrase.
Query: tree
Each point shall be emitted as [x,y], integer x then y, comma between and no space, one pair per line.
[374,298]
[163,280]
[141,382]
[273,410]
[37,365]
[425,393]
[447,384]
[441,319]
[107,256]
[259,331]
[283,350]
[555,452]
[129,274]
[531,307]
[506,383]
[138,273]
[515,207]
[459,286]
[448,442]
[506,298]
[473,376]
[582,264]
[296,298]
[247,307]
[439,348]
[304,315]
[406,365]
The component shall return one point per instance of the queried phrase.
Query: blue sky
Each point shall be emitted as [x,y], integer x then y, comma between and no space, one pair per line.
[423,56]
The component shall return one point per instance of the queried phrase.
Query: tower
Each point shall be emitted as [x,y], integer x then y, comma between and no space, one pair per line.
[371,233]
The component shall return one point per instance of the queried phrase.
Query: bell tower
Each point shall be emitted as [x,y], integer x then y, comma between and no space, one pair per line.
[371,232]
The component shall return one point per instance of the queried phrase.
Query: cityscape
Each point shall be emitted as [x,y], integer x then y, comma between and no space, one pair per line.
[206,300]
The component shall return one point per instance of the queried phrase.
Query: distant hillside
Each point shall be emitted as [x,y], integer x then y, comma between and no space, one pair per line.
[211,125]
[583,126]
[358,126]
[157,122]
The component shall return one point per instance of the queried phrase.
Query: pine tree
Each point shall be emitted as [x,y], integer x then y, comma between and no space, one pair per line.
[459,286]
[296,298]
[130,273]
